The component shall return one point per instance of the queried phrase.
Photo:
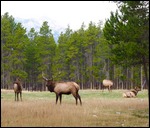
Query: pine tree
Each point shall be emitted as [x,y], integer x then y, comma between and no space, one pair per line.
[13,39]
[128,33]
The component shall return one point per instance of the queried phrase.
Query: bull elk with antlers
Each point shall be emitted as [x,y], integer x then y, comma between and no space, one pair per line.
[60,88]
[131,93]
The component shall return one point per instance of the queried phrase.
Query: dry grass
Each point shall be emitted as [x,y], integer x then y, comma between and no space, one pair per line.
[95,111]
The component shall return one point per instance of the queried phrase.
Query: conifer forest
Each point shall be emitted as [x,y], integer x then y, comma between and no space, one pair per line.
[118,51]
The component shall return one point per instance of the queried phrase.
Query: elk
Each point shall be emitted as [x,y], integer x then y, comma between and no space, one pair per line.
[107,83]
[131,93]
[60,88]
[18,89]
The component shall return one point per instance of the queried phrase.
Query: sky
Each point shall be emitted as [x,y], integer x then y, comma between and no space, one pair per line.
[59,14]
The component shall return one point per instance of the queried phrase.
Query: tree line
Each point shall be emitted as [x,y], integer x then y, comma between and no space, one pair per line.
[119,51]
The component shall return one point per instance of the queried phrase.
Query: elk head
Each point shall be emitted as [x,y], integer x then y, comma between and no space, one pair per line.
[49,81]
[137,88]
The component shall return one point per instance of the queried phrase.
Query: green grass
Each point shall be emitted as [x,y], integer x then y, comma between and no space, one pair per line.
[115,94]
[86,94]
[141,113]
[99,108]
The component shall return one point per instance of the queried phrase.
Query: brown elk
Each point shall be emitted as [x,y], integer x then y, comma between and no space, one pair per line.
[18,89]
[60,88]
[107,83]
[131,93]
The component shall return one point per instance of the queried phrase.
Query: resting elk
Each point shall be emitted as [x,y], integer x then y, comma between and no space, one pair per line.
[60,88]
[131,93]
[107,83]
[18,89]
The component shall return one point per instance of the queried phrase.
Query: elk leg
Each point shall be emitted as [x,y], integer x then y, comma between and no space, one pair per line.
[76,98]
[21,96]
[109,88]
[15,96]
[60,97]
[57,98]
[79,99]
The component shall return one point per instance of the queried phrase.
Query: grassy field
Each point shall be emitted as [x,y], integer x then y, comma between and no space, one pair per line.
[99,108]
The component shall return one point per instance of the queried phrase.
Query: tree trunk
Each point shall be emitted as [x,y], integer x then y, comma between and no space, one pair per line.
[146,75]
[141,77]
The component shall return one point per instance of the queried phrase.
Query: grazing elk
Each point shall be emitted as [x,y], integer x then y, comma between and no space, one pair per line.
[131,93]
[18,89]
[60,88]
[108,84]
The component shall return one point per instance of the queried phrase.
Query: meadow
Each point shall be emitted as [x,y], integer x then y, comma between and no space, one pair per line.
[99,109]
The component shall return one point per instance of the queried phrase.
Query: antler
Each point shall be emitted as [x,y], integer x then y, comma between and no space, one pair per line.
[44,77]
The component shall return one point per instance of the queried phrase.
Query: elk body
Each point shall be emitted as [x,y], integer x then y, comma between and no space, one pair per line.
[60,88]
[18,89]
[131,93]
[108,84]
